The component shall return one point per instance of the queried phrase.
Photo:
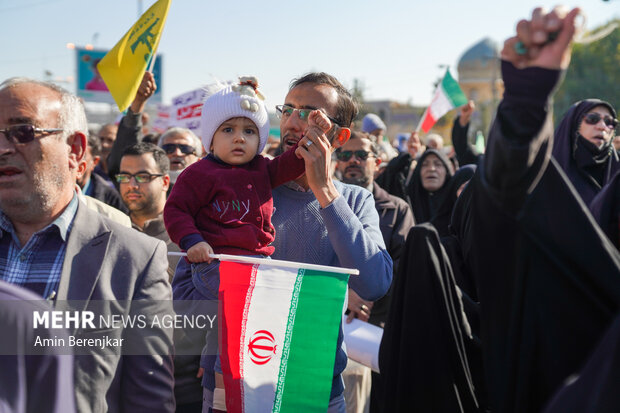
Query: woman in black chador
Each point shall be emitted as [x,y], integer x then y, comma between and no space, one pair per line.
[583,146]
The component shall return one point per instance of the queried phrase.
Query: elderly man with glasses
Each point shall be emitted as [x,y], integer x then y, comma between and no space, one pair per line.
[54,246]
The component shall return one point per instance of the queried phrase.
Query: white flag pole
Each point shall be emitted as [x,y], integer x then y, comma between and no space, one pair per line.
[280,263]
[417,129]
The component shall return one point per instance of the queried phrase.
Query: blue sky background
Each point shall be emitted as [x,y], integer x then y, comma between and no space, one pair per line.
[394,47]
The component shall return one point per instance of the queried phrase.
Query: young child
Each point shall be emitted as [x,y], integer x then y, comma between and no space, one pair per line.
[222,204]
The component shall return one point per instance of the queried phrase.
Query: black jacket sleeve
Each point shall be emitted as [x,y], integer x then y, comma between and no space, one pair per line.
[129,133]
[466,153]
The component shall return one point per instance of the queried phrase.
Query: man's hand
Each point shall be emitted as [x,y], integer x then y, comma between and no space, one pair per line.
[358,308]
[200,252]
[466,111]
[145,91]
[544,41]
[317,156]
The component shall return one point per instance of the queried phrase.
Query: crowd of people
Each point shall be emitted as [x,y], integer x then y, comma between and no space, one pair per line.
[493,276]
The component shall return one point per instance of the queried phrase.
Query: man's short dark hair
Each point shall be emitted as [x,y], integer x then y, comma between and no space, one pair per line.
[139,149]
[363,135]
[347,107]
[94,143]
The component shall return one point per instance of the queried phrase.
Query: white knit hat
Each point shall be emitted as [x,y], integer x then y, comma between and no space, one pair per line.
[240,100]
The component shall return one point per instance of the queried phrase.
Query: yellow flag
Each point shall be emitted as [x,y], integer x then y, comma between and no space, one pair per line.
[123,67]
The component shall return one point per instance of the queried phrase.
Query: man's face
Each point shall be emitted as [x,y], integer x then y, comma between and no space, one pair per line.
[34,176]
[309,96]
[148,198]
[378,133]
[178,159]
[107,135]
[357,171]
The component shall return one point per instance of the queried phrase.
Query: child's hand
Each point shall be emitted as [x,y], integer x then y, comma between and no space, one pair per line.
[318,125]
[318,119]
[200,252]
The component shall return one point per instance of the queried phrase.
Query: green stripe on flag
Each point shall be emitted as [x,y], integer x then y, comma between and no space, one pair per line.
[277,404]
[310,367]
[453,90]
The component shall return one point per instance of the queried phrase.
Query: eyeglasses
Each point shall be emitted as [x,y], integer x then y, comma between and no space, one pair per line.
[171,148]
[141,177]
[594,118]
[346,155]
[286,111]
[25,133]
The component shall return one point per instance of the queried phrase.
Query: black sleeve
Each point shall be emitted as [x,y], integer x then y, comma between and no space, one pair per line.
[465,152]
[521,138]
[129,133]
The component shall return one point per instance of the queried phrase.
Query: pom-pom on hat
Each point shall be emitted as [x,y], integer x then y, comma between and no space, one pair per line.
[233,101]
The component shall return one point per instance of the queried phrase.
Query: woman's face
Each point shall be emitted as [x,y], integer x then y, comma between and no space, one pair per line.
[598,133]
[433,173]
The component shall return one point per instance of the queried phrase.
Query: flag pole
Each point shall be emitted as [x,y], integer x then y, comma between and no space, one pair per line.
[280,263]
[152,62]
[417,129]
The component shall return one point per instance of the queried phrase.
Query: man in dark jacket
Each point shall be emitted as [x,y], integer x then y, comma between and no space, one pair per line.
[93,184]
[357,163]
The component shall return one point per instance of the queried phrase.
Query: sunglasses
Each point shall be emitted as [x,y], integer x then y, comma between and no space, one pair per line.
[171,148]
[141,177]
[25,133]
[346,155]
[594,118]
[286,111]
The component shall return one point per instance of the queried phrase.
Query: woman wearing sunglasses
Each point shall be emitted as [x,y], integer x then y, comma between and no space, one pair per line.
[583,146]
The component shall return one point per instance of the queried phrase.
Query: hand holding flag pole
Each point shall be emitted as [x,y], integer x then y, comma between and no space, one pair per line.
[288,264]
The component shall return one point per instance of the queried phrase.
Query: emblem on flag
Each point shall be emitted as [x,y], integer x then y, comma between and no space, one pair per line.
[262,347]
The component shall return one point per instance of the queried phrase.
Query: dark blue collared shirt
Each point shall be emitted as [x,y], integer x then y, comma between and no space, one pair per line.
[37,265]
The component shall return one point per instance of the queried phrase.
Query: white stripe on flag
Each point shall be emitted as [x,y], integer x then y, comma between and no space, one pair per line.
[440,104]
[264,336]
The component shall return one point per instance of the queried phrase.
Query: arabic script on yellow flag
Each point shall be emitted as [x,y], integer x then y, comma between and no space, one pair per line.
[124,65]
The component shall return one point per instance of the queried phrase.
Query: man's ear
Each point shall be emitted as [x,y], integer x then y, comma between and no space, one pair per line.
[166,179]
[342,136]
[77,145]
[96,160]
[81,168]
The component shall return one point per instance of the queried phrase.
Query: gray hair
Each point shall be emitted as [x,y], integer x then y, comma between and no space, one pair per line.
[434,137]
[182,131]
[71,116]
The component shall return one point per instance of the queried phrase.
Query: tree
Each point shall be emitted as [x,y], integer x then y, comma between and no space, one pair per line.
[594,72]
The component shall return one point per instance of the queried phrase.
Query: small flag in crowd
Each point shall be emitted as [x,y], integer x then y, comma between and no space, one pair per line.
[448,96]
[123,67]
[278,330]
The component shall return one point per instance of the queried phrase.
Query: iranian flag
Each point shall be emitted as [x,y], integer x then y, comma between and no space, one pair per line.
[448,96]
[278,331]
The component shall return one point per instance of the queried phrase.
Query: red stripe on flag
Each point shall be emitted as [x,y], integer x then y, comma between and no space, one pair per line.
[236,283]
[428,122]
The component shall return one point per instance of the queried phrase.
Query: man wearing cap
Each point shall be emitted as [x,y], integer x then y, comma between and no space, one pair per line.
[375,127]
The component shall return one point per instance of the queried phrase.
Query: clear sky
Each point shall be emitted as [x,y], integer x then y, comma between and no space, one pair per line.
[393,47]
